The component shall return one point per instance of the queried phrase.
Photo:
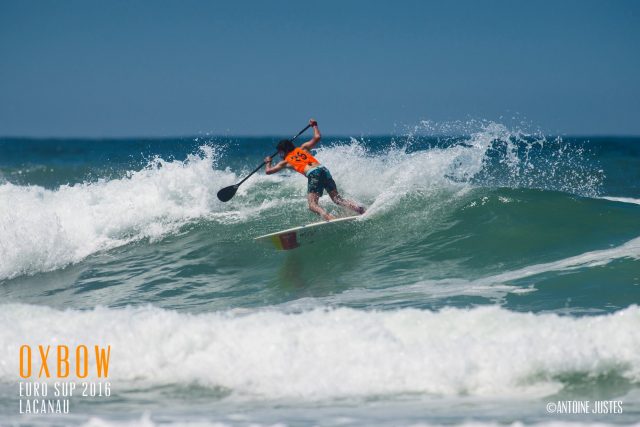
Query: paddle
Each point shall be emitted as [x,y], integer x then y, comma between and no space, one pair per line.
[228,192]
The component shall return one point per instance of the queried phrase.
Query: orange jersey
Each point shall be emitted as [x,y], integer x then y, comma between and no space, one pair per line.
[299,159]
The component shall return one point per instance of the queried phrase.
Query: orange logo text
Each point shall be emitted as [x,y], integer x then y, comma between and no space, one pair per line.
[47,360]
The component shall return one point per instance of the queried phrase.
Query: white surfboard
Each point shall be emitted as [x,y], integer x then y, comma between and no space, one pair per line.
[303,235]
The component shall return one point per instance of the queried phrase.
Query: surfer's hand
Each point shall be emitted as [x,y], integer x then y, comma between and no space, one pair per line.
[313,123]
[267,160]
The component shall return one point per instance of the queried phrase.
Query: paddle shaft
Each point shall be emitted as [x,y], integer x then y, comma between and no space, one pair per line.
[262,164]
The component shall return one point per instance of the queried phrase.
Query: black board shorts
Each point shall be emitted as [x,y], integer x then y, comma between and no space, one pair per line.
[320,179]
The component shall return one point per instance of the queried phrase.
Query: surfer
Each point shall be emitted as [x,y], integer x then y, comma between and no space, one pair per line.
[319,178]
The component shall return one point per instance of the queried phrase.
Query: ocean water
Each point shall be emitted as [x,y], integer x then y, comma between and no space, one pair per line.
[495,271]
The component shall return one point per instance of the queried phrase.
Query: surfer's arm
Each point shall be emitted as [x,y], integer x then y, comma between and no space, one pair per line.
[316,136]
[273,169]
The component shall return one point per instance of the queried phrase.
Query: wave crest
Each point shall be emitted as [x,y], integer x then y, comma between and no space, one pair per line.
[322,354]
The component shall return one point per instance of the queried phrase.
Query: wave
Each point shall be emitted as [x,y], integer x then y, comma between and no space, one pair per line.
[494,287]
[47,229]
[622,199]
[147,421]
[43,230]
[326,354]
[630,249]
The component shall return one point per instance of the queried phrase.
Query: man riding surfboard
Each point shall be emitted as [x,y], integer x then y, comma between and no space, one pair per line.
[319,178]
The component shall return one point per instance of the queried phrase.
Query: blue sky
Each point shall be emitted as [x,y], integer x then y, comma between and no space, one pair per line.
[160,68]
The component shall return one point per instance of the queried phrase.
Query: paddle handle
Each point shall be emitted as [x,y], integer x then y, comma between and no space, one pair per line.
[296,137]
[273,155]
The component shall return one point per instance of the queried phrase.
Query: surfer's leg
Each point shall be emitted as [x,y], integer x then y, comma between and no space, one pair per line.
[314,191]
[330,185]
[350,204]
[313,198]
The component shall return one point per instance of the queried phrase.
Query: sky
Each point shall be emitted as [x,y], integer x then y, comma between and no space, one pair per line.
[176,68]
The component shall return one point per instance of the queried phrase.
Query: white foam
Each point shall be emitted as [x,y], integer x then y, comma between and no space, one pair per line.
[622,199]
[319,354]
[521,424]
[147,421]
[42,230]
[382,180]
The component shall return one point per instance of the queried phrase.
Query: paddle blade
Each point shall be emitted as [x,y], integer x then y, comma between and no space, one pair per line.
[227,193]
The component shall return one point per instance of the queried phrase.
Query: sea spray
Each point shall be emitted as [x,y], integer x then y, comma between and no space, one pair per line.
[47,229]
[326,354]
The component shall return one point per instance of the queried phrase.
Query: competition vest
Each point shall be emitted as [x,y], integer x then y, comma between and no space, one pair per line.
[299,159]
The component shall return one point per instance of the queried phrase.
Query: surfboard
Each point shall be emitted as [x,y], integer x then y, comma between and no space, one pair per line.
[303,235]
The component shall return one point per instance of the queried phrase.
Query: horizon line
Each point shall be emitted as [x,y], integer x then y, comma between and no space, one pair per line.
[275,136]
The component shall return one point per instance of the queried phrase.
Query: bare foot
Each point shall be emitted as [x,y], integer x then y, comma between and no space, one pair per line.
[328,217]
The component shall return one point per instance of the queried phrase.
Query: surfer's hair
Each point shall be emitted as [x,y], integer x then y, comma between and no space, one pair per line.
[285,146]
